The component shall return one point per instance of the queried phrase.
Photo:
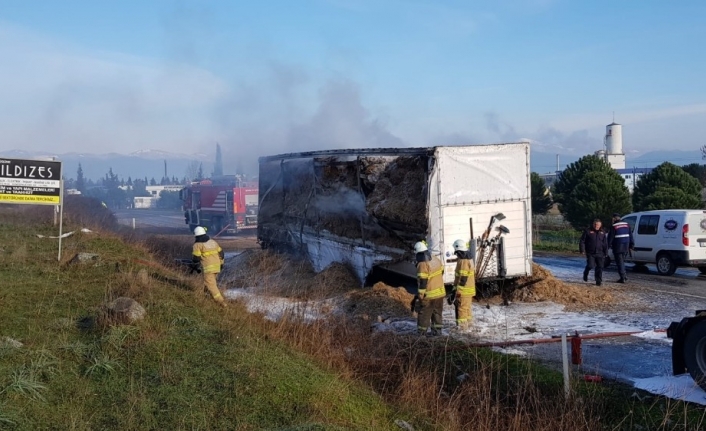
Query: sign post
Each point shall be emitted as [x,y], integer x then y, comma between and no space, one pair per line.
[35,182]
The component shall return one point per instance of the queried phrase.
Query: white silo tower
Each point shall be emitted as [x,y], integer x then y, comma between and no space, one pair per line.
[614,154]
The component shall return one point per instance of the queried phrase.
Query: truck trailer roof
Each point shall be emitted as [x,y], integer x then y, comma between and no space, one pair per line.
[373,151]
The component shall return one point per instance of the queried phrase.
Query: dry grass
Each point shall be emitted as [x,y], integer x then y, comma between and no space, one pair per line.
[270,273]
[448,386]
[459,390]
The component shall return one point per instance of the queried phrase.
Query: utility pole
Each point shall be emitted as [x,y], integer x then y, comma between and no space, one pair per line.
[557,162]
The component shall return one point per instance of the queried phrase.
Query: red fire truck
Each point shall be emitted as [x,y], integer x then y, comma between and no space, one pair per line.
[225,203]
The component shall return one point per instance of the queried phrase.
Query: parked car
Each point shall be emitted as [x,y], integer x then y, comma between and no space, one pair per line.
[667,238]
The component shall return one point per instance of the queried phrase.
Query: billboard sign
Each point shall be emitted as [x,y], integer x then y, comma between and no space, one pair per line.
[30,182]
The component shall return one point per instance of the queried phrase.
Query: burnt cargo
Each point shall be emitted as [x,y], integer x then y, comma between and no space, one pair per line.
[368,207]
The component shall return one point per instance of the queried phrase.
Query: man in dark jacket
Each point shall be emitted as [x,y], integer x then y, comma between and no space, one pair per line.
[594,243]
[620,240]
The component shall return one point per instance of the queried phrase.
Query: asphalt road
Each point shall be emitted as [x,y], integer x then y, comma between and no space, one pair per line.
[685,289]
[152,218]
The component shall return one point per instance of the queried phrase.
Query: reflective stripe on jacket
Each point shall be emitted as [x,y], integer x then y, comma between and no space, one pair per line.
[430,278]
[620,237]
[209,254]
[465,281]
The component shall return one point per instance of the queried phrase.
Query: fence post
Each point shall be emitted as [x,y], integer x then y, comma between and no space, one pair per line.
[565,359]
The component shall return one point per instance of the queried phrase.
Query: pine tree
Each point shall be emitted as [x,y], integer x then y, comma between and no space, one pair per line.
[697,171]
[218,166]
[199,174]
[588,189]
[667,187]
[541,199]
[80,180]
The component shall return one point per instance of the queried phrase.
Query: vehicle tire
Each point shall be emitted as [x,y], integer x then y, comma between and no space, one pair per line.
[665,264]
[695,353]
[702,269]
[606,262]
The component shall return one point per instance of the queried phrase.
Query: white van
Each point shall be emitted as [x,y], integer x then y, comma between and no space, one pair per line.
[669,239]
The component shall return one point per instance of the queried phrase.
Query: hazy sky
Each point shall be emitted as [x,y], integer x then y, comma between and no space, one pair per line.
[266,77]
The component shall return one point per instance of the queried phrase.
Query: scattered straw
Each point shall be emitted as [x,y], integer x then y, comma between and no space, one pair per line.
[543,286]
[382,300]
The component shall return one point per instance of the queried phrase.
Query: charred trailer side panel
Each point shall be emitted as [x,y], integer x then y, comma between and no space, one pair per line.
[368,207]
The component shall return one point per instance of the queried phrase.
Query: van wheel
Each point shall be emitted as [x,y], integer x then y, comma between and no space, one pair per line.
[665,264]
[695,353]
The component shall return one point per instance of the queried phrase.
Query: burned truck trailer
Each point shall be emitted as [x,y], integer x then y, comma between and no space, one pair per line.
[368,207]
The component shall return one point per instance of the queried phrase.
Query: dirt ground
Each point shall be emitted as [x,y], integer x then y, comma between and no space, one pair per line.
[240,242]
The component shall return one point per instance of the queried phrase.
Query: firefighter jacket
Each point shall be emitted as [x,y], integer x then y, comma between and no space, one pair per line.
[620,237]
[594,242]
[465,280]
[430,278]
[209,253]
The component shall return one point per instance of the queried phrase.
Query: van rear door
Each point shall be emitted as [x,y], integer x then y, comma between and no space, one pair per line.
[694,239]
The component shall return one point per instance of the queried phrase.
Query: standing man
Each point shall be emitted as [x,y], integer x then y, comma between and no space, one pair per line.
[594,243]
[620,239]
[430,285]
[464,284]
[209,254]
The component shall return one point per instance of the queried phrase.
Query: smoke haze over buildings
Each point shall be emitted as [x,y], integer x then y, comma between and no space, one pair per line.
[341,74]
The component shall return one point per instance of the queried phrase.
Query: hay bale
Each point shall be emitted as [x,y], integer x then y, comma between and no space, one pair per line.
[398,193]
[381,301]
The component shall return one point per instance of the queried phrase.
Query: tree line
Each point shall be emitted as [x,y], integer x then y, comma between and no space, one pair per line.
[118,193]
[590,188]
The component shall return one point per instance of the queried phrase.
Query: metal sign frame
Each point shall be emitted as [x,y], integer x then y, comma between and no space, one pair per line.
[33,182]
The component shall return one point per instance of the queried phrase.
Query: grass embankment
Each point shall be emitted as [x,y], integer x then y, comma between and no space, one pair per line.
[187,365]
[191,365]
[565,240]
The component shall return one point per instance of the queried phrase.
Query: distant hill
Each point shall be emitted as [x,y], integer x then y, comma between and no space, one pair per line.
[146,163]
[654,158]
[544,163]
[150,163]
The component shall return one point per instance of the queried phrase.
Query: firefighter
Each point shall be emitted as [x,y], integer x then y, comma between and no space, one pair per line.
[431,291]
[464,288]
[209,254]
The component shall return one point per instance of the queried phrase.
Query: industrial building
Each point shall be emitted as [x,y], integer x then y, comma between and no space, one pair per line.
[612,153]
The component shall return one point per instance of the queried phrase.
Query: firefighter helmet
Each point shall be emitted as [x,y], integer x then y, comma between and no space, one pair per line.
[198,231]
[460,245]
[420,247]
